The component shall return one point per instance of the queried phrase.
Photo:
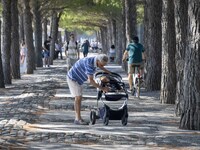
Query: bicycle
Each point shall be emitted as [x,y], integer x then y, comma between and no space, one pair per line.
[137,80]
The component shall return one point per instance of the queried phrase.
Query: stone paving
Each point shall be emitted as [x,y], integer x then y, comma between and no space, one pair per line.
[36,112]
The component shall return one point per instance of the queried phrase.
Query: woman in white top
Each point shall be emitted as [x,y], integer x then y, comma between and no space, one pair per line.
[23,56]
[71,52]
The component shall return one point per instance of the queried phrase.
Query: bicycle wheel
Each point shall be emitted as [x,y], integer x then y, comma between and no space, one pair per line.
[138,88]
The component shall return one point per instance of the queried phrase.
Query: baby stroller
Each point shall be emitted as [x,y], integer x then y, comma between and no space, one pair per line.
[117,92]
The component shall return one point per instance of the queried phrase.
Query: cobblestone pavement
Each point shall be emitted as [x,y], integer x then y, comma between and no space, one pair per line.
[36,112]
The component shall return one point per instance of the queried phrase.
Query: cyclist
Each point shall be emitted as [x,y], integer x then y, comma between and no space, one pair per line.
[136,56]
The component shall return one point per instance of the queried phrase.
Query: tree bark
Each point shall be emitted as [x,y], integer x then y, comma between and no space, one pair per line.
[104,38]
[15,50]
[114,33]
[109,36]
[21,22]
[38,32]
[45,29]
[181,20]
[2,84]
[66,35]
[168,80]
[190,117]
[54,34]
[29,37]
[6,41]
[124,38]
[130,17]
[153,43]
[119,36]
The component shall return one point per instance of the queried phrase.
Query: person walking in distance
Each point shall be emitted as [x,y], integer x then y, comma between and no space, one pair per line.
[71,52]
[58,50]
[82,71]
[112,53]
[23,56]
[46,52]
[85,47]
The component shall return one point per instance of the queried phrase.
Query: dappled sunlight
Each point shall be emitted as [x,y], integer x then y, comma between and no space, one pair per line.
[23,95]
[116,129]
[113,67]
[68,95]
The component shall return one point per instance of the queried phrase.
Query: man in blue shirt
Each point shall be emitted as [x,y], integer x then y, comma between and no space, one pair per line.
[136,56]
[82,71]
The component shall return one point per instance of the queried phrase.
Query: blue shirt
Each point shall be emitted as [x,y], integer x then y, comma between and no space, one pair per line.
[135,51]
[81,69]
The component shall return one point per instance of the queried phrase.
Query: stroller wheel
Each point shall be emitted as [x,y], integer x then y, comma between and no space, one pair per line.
[93,117]
[105,121]
[124,120]
[133,91]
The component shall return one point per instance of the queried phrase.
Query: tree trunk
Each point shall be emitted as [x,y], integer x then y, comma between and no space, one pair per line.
[181,16]
[124,38]
[109,36]
[147,8]
[114,33]
[29,37]
[54,34]
[38,33]
[45,29]
[15,52]
[104,38]
[6,41]
[168,80]
[2,84]
[21,22]
[153,43]
[130,17]
[190,117]
[119,36]
[59,39]
[66,35]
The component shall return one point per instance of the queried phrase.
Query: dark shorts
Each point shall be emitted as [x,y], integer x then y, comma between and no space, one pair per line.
[46,54]
[131,67]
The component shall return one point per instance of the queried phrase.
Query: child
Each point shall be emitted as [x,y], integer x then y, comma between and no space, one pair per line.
[112,53]
[110,82]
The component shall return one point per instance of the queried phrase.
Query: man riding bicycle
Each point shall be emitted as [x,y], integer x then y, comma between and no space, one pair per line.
[136,57]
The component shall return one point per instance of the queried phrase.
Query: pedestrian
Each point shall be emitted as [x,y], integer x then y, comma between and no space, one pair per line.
[46,52]
[58,50]
[112,53]
[23,56]
[82,71]
[85,47]
[71,52]
[136,55]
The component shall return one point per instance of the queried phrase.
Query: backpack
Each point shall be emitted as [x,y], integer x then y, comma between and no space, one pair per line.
[66,47]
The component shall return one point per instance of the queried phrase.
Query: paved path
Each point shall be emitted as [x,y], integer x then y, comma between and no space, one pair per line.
[36,112]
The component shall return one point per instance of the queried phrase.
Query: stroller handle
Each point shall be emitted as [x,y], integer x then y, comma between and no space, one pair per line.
[113,74]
